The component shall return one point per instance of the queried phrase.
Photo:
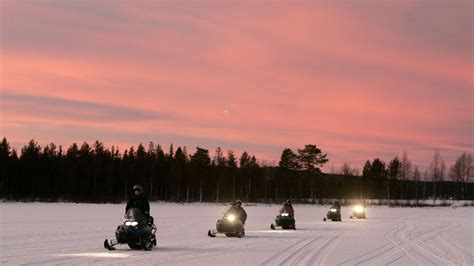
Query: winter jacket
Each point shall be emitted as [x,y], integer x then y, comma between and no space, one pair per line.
[239,211]
[140,202]
[288,209]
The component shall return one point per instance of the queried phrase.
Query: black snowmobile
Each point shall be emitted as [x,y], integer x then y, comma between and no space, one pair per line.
[136,232]
[285,220]
[230,225]
[334,214]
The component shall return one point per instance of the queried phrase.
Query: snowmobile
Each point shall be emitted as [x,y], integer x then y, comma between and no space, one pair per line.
[136,232]
[230,225]
[334,214]
[358,212]
[285,220]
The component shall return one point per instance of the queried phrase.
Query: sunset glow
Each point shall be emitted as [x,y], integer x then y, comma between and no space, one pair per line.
[357,79]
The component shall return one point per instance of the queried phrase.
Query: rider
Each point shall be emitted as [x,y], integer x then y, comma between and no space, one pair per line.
[236,207]
[336,205]
[287,208]
[139,201]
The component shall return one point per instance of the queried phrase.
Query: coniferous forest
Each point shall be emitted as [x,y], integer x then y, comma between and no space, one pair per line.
[94,173]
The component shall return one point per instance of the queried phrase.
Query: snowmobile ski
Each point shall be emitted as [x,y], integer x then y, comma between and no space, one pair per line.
[210,233]
[108,245]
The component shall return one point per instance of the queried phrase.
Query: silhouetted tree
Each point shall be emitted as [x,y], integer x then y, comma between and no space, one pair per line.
[366,178]
[405,171]
[416,178]
[289,160]
[311,159]
[232,166]
[288,167]
[346,169]
[30,155]
[5,168]
[200,162]
[378,174]
[97,173]
[394,167]
[437,171]
[462,171]
[162,168]
[178,171]
[219,164]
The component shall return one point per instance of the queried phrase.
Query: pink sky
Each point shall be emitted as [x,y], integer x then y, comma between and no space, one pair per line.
[360,79]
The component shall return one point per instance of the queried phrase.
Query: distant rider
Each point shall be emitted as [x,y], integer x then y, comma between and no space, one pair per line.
[238,210]
[336,204]
[287,208]
[139,201]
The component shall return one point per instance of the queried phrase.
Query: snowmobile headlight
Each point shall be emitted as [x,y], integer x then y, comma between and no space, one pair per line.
[358,209]
[333,210]
[284,214]
[131,223]
[231,217]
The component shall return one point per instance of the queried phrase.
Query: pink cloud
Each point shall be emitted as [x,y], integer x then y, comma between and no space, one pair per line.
[344,77]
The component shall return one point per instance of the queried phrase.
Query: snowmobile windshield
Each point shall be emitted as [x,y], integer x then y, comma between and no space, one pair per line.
[135,215]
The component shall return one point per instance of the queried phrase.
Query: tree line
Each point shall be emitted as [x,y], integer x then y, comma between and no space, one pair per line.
[95,173]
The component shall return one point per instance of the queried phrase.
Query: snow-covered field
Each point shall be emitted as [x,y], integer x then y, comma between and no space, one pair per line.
[67,233]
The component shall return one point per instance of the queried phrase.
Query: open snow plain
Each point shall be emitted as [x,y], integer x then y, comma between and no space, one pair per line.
[68,233]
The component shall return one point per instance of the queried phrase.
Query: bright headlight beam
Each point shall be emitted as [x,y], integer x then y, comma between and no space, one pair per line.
[231,217]
[129,223]
[358,209]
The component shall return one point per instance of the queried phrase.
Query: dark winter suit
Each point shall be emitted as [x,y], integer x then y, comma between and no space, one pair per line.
[240,212]
[140,202]
[288,209]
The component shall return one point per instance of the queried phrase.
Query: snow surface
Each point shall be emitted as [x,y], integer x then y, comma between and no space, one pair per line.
[67,233]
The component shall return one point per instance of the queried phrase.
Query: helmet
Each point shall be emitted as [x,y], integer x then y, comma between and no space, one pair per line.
[288,202]
[237,202]
[138,187]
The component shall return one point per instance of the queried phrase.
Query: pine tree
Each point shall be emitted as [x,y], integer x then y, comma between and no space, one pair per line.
[219,163]
[232,166]
[200,161]
[289,160]
[311,159]
[394,167]
[5,151]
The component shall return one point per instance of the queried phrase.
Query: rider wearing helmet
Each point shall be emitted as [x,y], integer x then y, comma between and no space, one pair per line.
[336,205]
[238,210]
[139,201]
[287,208]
